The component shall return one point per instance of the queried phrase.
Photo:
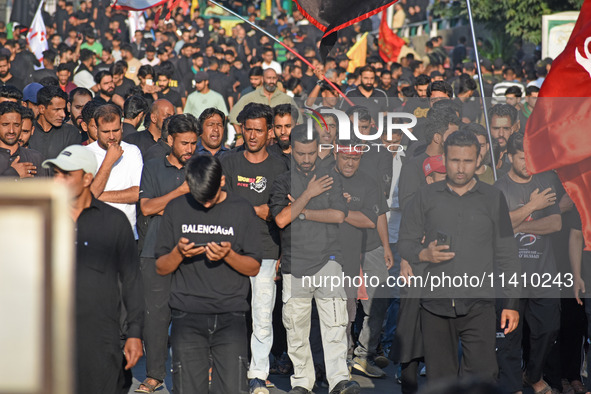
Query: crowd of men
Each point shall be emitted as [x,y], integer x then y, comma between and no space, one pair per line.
[209,197]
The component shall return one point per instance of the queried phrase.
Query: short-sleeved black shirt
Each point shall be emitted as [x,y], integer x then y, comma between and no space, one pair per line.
[199,285]
[159,177]
[159,149]
[173,97]
[52,142]
[253,181]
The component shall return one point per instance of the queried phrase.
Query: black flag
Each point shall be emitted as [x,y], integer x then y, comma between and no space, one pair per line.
[331,16]
[23,11]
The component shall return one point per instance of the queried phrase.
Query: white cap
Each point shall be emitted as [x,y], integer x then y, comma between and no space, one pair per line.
[73,158]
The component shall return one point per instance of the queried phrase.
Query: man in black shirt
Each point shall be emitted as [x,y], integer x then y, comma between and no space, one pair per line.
[160,110]
[163,77]
[283,121]
[107,272]
[51,135]
[6,78]
[250,174]
[205,240]
[474,219]
[308,204]
[134,110]
[15,161]
[163,179]
[366,95]
[534,216]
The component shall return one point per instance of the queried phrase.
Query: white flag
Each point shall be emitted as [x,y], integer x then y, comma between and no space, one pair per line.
[136,22]
[37,36]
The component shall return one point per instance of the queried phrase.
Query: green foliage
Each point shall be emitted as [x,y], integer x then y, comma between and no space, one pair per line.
[508,18]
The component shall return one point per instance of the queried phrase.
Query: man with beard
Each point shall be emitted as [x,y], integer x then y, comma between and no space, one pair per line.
[504,121]
[163,78]
[6,78]
[283,121]
[366,95]
[251,174]
[51,136]
[163,179]
[78,99]
[117,181]
[106,87]
[160,110]
[266,94]
[204,97]
[535,215]
[212,123]
[15,161]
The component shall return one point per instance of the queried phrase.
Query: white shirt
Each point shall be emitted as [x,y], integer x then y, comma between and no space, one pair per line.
[274,65]
[126,173]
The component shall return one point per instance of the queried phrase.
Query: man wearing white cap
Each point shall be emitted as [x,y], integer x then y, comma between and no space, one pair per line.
[106,254]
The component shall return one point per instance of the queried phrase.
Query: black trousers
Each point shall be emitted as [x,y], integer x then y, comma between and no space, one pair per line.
[542,316]
[441,336]
[157,318]
[196,337]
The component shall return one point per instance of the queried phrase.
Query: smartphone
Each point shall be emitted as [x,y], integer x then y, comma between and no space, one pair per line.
[443,239]
[197,245]
[149,82]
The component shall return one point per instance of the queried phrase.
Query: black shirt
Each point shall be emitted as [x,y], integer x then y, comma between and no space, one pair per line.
[253,181]
[364,193]
[159,177]
[479,228]
[173,97]
[143,140]
[375,103]
[127,129]
[276,150]
[51,143]
[199,285]
[27,155]
[306,246]
[106,255]
[411,179]
[124,89]
[159,149]
[535,251]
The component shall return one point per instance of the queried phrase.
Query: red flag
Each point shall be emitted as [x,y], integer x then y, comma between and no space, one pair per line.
[389,42]
[557,134]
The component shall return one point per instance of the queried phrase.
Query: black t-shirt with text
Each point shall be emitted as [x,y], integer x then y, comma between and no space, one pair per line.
[200,285]
[253,181]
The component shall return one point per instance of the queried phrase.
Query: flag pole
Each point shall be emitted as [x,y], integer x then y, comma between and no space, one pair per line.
[480,81]
[284,46]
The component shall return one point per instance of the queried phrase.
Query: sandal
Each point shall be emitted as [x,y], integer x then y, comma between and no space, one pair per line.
[149,387]
[578,387]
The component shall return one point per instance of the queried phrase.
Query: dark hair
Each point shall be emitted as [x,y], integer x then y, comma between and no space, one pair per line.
[300,134]
[450,106]
[516,90]
[285,109]
[7,107]
[79,91]
[135,105]
[507,69]
[208,113]
[440,86]
[11,92]
[367,68]
[422,80]
[5,56]
[27,113]
[438,121]
[461,138]
[88,110]
[62,67]
[119,67]
[531,89]
[204,177]
[181,123]
[49,55]
[256,111]
[126,47]
[100,75]
[515,143]
[409,92]
[85,54]
[502,110]
[466,83]
[146,70]
[363,113]
[49,81]
[475,128]
[107,112]
[414,64]
[165,68]
[256,71]
[48,93]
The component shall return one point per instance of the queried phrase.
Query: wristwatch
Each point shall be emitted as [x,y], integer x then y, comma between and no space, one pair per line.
[302,216]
